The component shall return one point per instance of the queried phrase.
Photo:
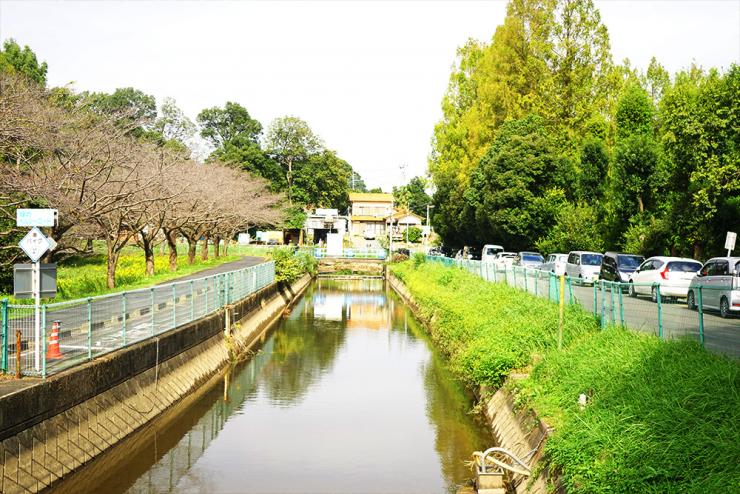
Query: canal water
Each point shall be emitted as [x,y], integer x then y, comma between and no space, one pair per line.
[345,395]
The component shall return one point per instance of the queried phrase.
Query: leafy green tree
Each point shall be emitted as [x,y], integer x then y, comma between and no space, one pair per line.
[290,140]
[656,80]
[173,124]
[129,106]
[413,196]
[594,166]
[414,234]
[700,136]
[356,183]
[19,60]
[376,190]
[322,181]
[514,193]
[576,227]
[232,123]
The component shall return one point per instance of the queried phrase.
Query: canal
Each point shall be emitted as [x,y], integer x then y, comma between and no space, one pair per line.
[344,395]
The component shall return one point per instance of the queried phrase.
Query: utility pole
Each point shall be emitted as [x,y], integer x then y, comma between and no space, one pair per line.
[429,230]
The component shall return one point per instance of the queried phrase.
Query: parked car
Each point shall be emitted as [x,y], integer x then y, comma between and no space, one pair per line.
[720,282]
[583,266]
[554,263]
[503,259]
[617,266]
[490,251]
[673,274]
[528,259]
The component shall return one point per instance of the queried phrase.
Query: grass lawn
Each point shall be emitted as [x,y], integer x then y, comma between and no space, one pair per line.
[80,277]
[661,417]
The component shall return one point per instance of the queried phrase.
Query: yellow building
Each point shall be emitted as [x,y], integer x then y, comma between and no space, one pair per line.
[369,214]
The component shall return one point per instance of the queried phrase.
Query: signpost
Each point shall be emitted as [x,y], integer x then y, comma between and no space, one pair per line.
[35,244]
[730,242]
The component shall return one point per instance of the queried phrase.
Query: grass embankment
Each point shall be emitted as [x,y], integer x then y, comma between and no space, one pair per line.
[662,416]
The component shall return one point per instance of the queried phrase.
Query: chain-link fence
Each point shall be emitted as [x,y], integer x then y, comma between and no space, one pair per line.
[668,310]
[79,330]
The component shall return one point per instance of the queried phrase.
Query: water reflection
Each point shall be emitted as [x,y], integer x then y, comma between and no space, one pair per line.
[344,396]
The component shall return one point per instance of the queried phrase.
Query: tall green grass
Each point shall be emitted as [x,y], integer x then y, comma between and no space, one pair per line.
[661,417]
[487,330]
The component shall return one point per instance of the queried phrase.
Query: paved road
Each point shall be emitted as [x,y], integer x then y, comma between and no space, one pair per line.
[147,312]
[720,335]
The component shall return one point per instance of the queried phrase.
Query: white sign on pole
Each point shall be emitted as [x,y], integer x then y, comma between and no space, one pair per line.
[35,217]
[730,241]
[34,244]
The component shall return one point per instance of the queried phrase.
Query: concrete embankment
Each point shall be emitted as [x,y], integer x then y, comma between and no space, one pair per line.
[520,432]
[52,428]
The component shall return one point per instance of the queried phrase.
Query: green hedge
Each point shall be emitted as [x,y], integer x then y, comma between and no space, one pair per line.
[662,416]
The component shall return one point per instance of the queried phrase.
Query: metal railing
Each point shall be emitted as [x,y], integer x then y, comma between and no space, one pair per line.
[658,308]
[320,252]
[77,331]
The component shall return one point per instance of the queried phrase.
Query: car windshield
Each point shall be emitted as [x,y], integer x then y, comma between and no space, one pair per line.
[491,251]
[684,266]
[737,269]
[628,262]
[532,258]
[591,259]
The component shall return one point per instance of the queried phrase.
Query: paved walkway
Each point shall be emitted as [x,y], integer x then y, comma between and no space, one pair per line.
[242,263]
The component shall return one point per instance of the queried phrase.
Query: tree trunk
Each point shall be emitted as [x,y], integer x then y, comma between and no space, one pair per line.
[204,248]
[172,244]
[640,204]
[112,264]
[698,251]
[192,244]
[89,246]
[216,246]
[146,245]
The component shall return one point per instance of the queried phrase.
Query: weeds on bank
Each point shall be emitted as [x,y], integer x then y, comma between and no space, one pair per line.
[486,329]
[661,416]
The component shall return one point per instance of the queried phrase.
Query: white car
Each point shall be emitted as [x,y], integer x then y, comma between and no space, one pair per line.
[504,259]
[583,266]
[672,274]
[489,252]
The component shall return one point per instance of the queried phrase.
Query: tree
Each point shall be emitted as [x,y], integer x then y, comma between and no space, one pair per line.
[130,107]
[14,59]
[413,196]
[290,140]
[700,135]
[173,124]
[594,165]
[322,181]
[514,194]
[228,124]
[576,227]
[356,183]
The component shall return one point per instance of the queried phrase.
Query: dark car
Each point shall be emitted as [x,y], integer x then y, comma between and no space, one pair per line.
[618,266]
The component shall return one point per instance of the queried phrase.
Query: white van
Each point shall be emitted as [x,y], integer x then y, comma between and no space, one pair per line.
[583,266]
[489,252]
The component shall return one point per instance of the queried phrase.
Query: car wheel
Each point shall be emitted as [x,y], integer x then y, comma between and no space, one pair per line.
[724,307]
[654,295]
[690,301]
[632,291]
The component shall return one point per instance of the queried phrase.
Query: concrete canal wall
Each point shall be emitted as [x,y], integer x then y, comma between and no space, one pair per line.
[52,428]
[521,432]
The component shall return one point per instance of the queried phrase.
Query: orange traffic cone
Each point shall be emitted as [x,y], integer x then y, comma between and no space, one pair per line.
[52,351]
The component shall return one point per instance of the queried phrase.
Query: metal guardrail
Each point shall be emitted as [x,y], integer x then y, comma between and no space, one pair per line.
[655,310]
[77,331]
[320,253]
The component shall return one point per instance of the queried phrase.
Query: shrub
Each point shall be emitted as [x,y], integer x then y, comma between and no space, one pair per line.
[291,265]
[414,234]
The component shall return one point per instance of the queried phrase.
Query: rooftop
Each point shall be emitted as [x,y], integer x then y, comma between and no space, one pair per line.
[370,197]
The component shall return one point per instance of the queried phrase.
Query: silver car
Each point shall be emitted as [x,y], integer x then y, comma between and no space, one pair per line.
[553,262]
[719,279]
[528,259]
[583,266]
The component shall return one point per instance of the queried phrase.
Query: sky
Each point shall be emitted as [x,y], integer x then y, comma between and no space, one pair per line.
[368,77]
